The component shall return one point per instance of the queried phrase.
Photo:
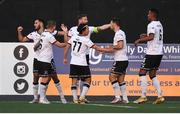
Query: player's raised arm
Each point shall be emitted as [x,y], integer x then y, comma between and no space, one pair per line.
[21,38]
[61,33]
[65,34]
[53,41]
[103,27]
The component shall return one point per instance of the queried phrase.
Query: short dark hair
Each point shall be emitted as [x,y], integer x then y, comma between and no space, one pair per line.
[81,28]
[116,20]
[155,11]
[51,23]
[81,15]
[41,20]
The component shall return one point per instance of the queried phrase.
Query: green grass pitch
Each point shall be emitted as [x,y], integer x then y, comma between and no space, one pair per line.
[93,107]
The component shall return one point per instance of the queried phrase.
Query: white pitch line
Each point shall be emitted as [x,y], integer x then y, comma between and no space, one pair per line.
[102,105]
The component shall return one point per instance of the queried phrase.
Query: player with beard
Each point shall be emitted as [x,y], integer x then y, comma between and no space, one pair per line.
[83,19]
[79,67]
[153,57]
[47,68]
[35,37]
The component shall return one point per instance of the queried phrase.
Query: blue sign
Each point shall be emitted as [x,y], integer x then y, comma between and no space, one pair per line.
[102,63]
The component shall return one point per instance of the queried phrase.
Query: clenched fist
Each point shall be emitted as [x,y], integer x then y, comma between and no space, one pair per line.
[20,28]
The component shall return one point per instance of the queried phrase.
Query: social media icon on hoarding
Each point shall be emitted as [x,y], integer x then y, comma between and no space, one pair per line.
[21,52]
[21,69]
[21,86]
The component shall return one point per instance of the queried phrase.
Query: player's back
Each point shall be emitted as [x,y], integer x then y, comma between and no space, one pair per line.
[155,46]
[79,48]
[45,49]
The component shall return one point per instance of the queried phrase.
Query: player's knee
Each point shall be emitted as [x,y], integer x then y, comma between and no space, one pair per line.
[112,77]
[74,81]
[45,79]
[35,78]
[87,80]
[121,81]
[152,73]
[121,78]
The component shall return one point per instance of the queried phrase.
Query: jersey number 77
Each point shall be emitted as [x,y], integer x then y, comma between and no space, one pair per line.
[77,46]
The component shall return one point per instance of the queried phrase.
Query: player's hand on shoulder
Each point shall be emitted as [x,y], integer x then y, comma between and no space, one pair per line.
[20,28]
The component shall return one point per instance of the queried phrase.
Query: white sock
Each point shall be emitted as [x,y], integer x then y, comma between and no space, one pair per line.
[143,80]
[123,91]
[116,89]
[157,86]
[85,90]
[81,83]
[59,88]
[35,90]
[74,92]
[43,89]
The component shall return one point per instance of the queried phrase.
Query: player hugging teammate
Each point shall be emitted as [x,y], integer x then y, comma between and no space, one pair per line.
[78,40]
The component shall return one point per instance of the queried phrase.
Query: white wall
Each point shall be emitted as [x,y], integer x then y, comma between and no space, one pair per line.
[7,63]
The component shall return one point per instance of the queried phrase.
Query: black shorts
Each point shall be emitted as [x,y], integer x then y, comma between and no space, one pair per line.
[35,66]
[79,71]
[47,69]
[119,67]
[151,62]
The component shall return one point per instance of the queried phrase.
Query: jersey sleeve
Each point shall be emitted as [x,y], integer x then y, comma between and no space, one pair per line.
[93,29]
[119,37]
[151,29]
[30,36]
[89,43]
[52,39]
